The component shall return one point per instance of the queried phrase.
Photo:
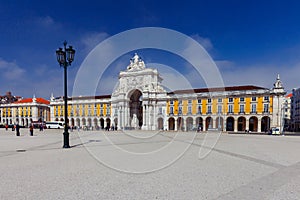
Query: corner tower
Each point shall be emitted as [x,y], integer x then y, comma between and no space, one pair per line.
[278,93]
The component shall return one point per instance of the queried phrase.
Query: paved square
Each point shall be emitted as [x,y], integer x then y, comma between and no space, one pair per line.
[110,165]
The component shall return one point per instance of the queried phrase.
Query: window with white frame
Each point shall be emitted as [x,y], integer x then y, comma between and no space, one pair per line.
[95,109]
[160,110]
[209,109]
[180,110]
[199,109]
[266,107]
[230,99]
[171,110]
[108,109]
[219,109]
[266,98]
[253,108]
[190,109]
[242,108]
[230,108]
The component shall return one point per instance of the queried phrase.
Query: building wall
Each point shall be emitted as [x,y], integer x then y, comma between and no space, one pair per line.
[23,113]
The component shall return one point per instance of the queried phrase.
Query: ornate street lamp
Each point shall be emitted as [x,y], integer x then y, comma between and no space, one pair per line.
[65,57]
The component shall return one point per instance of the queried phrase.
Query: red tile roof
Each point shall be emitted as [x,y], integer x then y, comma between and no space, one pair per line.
[29,100]
[289,95]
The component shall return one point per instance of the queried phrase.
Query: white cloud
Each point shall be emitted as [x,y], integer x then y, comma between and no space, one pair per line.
[205,42]
[225,64]
[46,21]
[91,40]
[10,70]
[262,75]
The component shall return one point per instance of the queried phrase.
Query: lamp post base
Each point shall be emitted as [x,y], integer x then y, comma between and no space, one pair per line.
[66,140]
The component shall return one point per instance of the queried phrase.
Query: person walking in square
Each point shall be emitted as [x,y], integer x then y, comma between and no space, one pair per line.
[31,129]
[17,129]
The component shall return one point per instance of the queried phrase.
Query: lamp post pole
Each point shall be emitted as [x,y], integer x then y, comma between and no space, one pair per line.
[65,57]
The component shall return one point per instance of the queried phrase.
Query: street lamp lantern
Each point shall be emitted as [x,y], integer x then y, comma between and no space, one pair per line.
[60,56]
[65,56]
[70,54]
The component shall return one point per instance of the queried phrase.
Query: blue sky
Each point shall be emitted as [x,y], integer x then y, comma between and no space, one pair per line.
[250,41]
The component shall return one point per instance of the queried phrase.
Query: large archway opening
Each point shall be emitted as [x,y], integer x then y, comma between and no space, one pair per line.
[189,124]
[136,109]
[241,124]
[171,123]
[209,123]
[230,124]
[199,123]
[253,123]
[160,123]
[101,123]
[265,124]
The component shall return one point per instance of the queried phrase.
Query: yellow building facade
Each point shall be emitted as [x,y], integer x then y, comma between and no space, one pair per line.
[25,111]
[141,102]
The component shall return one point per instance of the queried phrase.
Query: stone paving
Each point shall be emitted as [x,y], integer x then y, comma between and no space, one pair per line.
[148,165]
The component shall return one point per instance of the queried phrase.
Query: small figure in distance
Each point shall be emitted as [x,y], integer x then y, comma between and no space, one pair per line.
[17,129]
[31,130]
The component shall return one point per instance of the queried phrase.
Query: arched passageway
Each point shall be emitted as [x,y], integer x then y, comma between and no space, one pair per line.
[160,123]
[241,124]
[171,124]
[265,124]
[253,123]
[230,124]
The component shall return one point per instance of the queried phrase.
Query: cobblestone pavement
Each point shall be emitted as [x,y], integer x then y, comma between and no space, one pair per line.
[148,165]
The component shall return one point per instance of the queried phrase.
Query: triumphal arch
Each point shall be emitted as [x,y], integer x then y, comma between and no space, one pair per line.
[139,97]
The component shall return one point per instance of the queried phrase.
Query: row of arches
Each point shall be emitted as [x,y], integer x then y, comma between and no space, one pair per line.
[22,121]
[89,122]
[231,124]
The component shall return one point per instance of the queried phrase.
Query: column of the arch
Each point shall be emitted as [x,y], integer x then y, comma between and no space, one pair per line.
[119,118]
[144,117]
[155,124]
[128,115]
[152,118]
[247,124]
[175,126]
[259,125]
[105,122]
[166,120]
[235,125]
[149,117]
[123,117]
